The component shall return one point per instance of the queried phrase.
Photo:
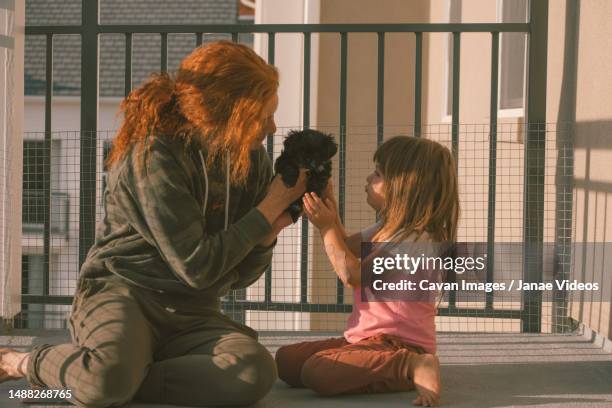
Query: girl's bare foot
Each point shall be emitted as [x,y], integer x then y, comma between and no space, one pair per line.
[13,364]
[426,378]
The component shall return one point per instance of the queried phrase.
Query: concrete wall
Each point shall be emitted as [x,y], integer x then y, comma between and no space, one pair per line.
[578,84]
[592,85]
[12,22]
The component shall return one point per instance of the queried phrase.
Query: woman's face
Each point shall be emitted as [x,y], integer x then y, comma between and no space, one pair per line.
[268,116]
[375,189]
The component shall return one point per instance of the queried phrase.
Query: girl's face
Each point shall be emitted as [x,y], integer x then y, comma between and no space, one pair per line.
[375,189]
[269,125]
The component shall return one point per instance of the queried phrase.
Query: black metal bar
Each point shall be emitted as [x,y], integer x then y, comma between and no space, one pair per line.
[46,156]
[456,88]
[128,64]
[286,28]
[306,107]
[297,307]
[164,52]
[342,146]
[418,82]
[533,197]
[199,39]
[492,167]
[239,315]
[306,125]
[270,150]
[380,89]
[564,168]
[46,300]
[89,124]
[452,295]
[294,307]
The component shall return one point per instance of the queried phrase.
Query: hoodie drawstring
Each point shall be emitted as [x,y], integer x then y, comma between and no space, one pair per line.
[227,187]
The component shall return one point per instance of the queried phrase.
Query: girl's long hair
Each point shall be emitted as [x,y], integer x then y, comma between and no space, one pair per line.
[420,189]
[216,98]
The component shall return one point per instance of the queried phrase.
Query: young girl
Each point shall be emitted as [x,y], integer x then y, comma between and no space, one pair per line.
[387,346]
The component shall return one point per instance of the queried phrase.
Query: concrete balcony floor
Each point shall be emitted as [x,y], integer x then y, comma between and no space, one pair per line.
[478,370]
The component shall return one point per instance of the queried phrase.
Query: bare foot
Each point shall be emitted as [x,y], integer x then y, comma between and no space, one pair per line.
[13,364]
[426,378]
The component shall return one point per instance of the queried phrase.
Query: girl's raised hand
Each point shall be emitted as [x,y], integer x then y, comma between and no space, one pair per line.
[322,213]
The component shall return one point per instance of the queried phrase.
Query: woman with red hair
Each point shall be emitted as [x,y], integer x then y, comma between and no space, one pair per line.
[190,214]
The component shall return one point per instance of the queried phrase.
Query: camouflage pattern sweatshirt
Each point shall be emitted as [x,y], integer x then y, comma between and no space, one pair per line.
[180,229]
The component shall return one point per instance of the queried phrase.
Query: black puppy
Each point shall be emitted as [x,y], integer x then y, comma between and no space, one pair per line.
[309,149]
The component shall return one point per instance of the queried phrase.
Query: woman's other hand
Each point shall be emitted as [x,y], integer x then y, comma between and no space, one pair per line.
[279,196]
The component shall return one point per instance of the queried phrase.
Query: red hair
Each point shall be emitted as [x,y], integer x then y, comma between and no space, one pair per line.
[217,97]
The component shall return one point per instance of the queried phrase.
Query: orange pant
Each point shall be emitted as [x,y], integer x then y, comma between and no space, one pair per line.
[334,366]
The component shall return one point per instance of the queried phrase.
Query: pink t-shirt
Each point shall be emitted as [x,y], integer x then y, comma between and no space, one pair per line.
[412,321]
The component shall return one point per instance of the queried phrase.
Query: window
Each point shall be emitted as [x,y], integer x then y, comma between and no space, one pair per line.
[34,212]
[512,56]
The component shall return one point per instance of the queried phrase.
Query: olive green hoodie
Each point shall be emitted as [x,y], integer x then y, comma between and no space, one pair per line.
[179,228]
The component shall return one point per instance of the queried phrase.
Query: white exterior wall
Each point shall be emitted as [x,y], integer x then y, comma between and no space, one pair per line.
[12,22]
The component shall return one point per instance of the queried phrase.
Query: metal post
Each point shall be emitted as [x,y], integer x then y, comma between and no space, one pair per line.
[418,83]
[452,296]
[89,124]
[46,156]
[128,64]
[270,150]
[306,125]
[492,166]
[533,197]
[342,146]
[380,90]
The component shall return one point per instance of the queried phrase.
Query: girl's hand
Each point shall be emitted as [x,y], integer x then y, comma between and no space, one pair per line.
[322,214]
[329,194]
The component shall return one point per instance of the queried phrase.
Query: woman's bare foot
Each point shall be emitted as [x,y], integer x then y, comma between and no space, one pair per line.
[13,364]
[426,378]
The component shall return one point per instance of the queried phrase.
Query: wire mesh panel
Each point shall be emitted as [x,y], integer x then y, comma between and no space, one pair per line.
[504,189]
[320,302]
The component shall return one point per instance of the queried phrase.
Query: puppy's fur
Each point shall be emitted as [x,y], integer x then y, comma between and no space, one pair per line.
[311,150]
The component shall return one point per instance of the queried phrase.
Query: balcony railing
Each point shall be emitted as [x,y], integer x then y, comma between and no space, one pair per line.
[534,146]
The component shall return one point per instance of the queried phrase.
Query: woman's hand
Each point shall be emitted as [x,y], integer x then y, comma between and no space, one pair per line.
[280,196]
[322,213]
[288,194]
